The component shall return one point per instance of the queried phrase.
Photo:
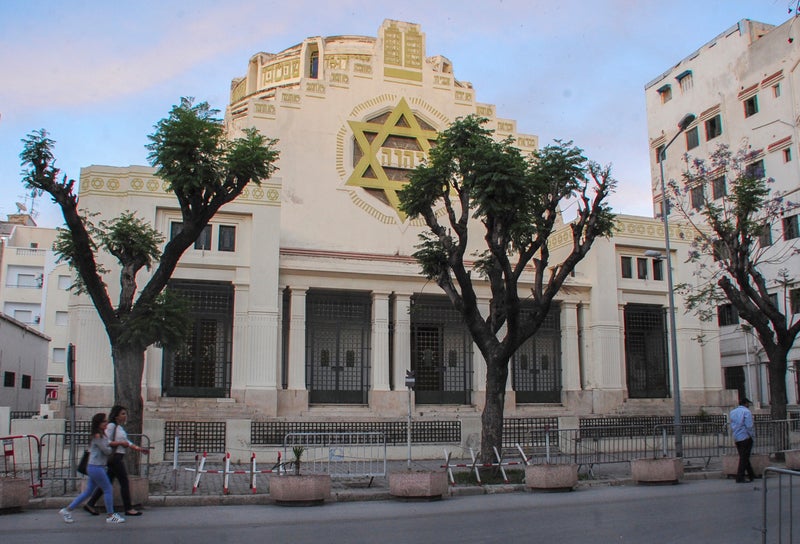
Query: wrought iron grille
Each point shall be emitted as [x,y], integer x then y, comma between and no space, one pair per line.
[422,432]
[602,427]
[527,431]
[23,414]
[337,347]
[202,366]
[536,366]
[441,352]
[195,436]
[81,432]
[646,351]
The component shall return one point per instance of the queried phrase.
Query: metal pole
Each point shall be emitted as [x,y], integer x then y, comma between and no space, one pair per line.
[408,429]
[676,387]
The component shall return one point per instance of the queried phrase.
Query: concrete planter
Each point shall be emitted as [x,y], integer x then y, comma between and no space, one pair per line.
[303,490]
[14,493]
[667,470]
[792,459]
[430,485]
[730,464]
[548,477]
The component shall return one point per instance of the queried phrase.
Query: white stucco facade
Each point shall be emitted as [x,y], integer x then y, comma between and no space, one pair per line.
[329,309]
[743,87]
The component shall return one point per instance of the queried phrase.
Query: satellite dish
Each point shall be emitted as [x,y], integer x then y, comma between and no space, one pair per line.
[21,207]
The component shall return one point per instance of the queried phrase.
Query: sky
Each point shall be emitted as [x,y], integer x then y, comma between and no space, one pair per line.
[98,75]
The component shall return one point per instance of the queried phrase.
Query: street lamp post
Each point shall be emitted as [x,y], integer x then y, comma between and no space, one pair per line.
[673,335]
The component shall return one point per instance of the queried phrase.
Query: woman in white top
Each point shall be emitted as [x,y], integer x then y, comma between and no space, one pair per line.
[116,463]
[100,448]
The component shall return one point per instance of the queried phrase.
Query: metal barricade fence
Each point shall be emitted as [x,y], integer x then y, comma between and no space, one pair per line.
[699,440]
[60,453]
[591,446]
[21,459]
[782,521]
[339,454]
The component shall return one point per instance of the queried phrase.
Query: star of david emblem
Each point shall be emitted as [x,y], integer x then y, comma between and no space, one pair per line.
[389,149]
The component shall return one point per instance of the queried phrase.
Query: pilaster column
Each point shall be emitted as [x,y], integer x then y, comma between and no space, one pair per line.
[570,369]
[402,339]
[297,339]
[380,341]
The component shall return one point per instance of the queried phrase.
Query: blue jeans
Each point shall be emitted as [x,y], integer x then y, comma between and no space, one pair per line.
[97,479]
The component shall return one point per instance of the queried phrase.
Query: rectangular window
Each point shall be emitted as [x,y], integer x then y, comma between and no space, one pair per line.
[787,154]
[692,138]
[685,80]
[227,238]
[765,238]
[718,187]
[773,299]
[790,228]
[665,92]
[659,152]
[727,315]
[794,300]
[627,267]
[713,127]
[776,90]
[755,169]
[174,229]
[64,282]
[751,106]
[26,381]
[27,280]
[204,240]
[62,319]
[24,316]
[9,378]
[641,268]
[697,197]
[59,355]
[658,270]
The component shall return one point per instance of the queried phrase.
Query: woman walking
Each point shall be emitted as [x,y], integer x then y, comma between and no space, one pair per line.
[100,447]
[116,463]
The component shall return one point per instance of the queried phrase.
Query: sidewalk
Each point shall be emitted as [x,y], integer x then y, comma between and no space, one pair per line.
[169,487]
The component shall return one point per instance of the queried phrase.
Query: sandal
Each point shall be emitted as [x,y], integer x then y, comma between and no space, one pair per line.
[133,513]
[91,510]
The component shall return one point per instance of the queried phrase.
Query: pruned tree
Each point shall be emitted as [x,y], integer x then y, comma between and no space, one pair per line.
[205,170]
[516,198]
[737,260]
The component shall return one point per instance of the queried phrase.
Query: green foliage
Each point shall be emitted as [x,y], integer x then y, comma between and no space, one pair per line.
[130,239]
[480,182]
[192,154]
[162,322]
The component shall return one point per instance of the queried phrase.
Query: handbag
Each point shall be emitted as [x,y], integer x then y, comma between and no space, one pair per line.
[83,464]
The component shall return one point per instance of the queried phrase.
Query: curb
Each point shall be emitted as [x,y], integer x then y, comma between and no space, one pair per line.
[375,494]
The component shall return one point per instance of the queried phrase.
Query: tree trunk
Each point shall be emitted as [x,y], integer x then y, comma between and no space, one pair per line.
[777,383]
[492,417]
[128,369]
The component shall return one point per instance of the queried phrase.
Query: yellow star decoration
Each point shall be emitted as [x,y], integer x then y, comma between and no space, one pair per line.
[369,172]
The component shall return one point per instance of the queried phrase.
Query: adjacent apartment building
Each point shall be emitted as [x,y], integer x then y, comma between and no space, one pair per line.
[744,88]
[34,291]
[308,304]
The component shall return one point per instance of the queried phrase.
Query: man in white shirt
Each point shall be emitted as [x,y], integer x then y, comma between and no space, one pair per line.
[743,433]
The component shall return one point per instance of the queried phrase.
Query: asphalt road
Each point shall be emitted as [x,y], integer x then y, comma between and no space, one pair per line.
[704,511]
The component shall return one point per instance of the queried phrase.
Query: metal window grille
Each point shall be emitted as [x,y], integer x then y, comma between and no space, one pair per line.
[337,344]
[422,432]
[202,366]
[527,431]
[195,436]
[441,352]
[536,365]
[602,427]
[646,351]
